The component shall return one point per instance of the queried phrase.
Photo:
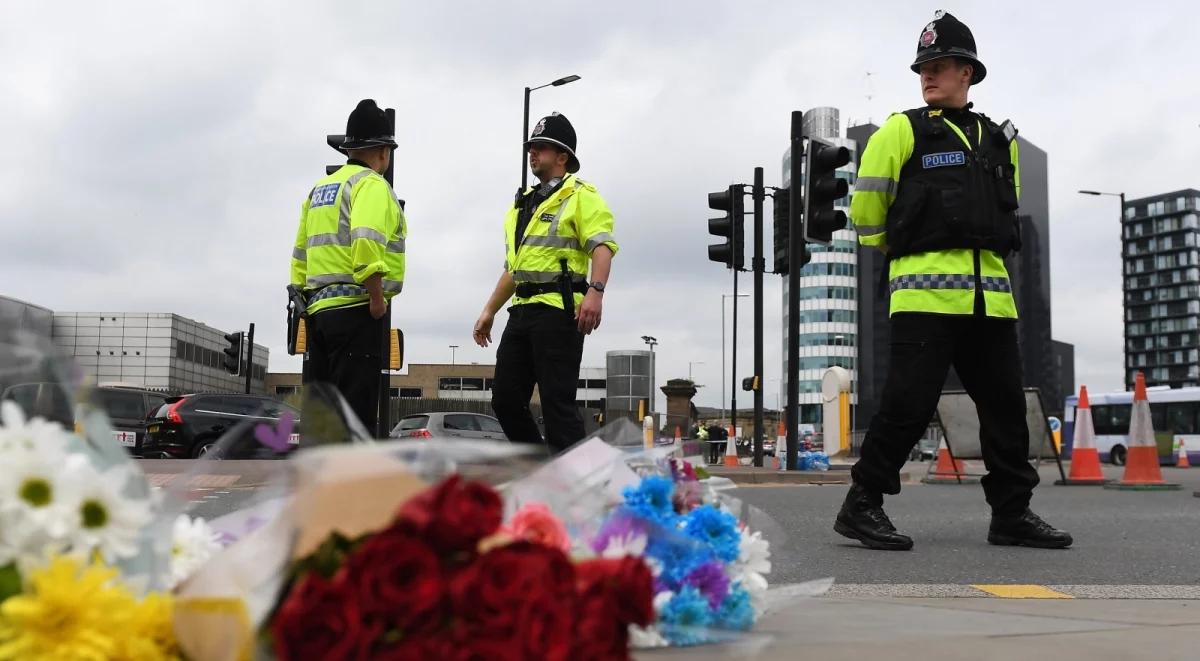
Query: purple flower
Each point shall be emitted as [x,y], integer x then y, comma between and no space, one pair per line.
[621,525]
[710,579]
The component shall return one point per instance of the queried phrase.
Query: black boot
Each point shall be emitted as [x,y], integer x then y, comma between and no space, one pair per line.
[862,518]
[1027,529]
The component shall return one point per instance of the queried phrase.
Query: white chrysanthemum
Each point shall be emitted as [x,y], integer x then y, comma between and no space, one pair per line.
[34,498]
[754,552]
[633,544]
[649,637]
[35,435]
[106,521]
[192,544]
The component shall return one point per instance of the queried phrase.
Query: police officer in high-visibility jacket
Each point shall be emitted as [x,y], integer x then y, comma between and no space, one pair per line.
[554,231]
[349,259]
[937,192]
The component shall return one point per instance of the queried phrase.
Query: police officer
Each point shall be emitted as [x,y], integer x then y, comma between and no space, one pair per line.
[937,192]
[349,259]
[553,232]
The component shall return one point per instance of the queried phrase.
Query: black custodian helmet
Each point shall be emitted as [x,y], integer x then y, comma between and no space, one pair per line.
[556,129]
[367,126]
[947,36]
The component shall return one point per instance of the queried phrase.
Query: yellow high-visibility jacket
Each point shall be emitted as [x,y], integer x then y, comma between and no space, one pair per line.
[351,228]
[938,281]
[570,224]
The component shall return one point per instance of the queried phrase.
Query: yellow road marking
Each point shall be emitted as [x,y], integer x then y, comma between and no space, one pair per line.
[1022,592]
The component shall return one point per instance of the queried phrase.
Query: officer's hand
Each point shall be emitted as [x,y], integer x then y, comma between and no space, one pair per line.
[588,316]
[378,308]
[483,329]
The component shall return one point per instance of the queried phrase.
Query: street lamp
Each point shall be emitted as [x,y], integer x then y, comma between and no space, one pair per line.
[723,297]
[452,348]
[1122,220]
[652,341]
[690,363]
[525,128]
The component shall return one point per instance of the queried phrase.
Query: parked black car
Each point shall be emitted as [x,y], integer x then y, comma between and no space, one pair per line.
[128,408]
[191,425]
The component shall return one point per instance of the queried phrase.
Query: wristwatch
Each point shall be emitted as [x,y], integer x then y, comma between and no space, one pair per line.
[597,285]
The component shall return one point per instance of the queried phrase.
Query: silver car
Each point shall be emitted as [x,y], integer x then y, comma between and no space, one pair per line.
[449,425]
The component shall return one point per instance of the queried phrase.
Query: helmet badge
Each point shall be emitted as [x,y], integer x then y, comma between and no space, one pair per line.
[928,36]
[541,127]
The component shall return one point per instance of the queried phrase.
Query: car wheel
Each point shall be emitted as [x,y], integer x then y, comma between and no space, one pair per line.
[203,450]
[1117,455]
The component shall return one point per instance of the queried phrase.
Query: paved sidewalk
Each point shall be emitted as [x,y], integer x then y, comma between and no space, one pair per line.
[981,629]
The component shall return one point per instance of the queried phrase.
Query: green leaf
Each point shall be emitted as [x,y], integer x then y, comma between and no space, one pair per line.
[702,473]
[10,581]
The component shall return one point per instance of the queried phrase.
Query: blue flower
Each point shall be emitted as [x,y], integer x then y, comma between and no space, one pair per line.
[718,529]
[678,555]
[652,499]
[685,617]
[735,612]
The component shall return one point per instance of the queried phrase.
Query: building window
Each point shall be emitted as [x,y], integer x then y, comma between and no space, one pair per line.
[408,393]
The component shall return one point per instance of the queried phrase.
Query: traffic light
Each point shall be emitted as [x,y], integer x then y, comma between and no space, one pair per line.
[750,383]
[334,140]
[233,353]
[822,188]
[781,207]
[732,252]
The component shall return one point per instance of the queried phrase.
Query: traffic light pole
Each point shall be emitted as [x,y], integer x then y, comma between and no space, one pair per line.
[249,357]
[733,363]
[795,264]
[759,264]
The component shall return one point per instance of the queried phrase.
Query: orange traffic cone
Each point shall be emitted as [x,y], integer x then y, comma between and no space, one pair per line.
[948,470]
[1085,458]
[1182,461]
[731,455]
[1141,462]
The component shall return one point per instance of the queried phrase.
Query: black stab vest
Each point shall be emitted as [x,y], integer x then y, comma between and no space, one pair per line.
[951,196]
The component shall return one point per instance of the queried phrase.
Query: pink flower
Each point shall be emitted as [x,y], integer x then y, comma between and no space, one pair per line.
[536,523]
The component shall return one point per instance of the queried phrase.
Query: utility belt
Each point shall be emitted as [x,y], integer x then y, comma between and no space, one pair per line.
[297,308]
[565,284]
[531,289]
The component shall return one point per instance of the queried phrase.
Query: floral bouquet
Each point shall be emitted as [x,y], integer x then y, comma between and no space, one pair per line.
[444,580]
[86,551]
[709,569]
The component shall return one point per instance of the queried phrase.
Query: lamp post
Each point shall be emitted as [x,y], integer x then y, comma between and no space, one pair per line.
[1124,287]
[453,347]
[690,363]
[651,341]
[525,128]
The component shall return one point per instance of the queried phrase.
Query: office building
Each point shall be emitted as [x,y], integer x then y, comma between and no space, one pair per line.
[1162,301]
[157,350]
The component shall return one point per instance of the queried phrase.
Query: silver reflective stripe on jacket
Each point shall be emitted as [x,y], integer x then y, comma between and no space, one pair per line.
[949,281]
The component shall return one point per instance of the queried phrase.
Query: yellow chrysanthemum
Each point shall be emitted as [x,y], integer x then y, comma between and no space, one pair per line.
[68,610]
[152,635]
[72,610]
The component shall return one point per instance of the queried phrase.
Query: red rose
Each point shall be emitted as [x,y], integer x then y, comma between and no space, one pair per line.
[599,632]
[626,580]
[513,593]
[454,515]
[441,648]
[396,576]
[320,619]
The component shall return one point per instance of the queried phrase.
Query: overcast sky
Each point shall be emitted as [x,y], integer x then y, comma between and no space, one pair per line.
[156,154]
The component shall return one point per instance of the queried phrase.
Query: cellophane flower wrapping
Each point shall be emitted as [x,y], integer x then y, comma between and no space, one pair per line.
[404,549]
[87,548]
[708,551]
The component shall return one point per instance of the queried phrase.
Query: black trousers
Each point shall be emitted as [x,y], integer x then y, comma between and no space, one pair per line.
[541,345]
[985,354]
[345,349]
